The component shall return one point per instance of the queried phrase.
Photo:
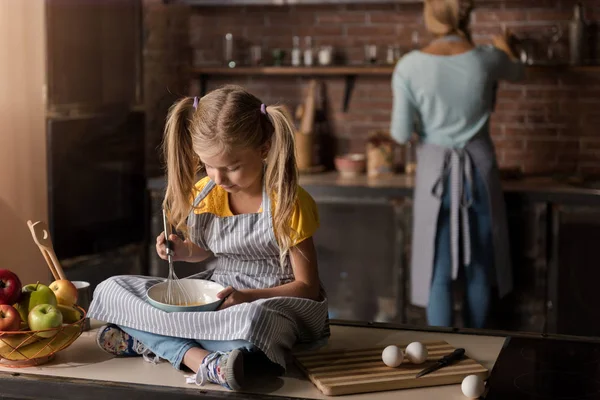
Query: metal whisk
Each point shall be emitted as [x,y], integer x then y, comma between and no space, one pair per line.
[176,292]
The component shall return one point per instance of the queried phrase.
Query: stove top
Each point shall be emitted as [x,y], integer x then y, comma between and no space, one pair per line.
[553,369]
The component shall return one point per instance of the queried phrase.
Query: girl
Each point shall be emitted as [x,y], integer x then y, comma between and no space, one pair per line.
[459,221]
[251,214]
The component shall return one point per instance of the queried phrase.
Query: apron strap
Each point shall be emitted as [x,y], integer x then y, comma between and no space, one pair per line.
[266,199]
[459,167]
[468,187]
[438,188]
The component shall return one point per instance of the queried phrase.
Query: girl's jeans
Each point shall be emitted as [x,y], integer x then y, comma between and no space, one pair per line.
[173,349]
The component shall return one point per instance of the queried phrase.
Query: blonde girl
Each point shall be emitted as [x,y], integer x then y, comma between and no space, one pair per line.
[248,212]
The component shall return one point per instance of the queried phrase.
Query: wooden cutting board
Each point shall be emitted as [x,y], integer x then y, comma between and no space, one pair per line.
[339,372]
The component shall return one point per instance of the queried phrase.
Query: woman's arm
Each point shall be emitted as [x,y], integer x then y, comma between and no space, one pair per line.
[403,111]
[306,284]
[508,66]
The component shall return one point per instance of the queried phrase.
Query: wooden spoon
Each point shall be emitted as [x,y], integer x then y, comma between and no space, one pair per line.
[41,237]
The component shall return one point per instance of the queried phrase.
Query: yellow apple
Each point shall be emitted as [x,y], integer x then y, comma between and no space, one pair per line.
[70,314]
[65,291]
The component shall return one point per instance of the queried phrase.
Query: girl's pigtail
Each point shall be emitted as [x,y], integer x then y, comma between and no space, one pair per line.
[282,176]
[182,163]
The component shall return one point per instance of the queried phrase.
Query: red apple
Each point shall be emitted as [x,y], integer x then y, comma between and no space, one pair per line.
[10,320]
[10,287]
[65,291]
[44,316]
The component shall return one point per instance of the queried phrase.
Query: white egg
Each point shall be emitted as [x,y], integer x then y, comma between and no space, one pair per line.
[392,356]
[472,386]
[416,352]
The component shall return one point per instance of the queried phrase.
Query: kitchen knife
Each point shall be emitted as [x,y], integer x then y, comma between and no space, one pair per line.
[456,355]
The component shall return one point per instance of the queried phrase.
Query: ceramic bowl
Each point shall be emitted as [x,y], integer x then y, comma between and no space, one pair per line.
[203,293]
[350,165]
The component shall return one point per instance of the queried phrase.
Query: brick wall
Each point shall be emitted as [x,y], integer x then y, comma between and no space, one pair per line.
[166,57]
[546,124]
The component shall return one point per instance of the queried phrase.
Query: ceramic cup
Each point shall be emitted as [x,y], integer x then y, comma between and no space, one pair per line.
[84,298]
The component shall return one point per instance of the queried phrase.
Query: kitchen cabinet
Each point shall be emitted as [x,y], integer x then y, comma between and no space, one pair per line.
[360,249]
[64,64]
[574,273]
[95,135]
[525,308]
[364,253]
[93,54]
[96,182]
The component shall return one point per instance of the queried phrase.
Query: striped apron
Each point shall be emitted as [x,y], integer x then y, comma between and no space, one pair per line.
[247,257]
[435,164]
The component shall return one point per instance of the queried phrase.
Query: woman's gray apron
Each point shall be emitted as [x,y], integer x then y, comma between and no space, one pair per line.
[248,257]
[434,165]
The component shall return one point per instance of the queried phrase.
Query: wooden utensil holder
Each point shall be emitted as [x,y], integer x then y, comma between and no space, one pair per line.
[380,155]
[304,150]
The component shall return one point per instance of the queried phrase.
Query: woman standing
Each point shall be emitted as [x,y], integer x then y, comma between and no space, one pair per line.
[447,89]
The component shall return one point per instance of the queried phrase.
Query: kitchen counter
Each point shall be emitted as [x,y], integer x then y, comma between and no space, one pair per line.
[85,371]
[331,184]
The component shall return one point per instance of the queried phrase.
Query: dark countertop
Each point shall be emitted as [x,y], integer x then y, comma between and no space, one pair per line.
[331,184]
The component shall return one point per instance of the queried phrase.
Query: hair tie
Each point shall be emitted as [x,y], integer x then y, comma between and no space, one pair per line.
[263,109]
[195,102]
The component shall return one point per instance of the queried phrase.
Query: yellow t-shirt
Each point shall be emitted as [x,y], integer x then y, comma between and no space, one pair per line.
[304,221]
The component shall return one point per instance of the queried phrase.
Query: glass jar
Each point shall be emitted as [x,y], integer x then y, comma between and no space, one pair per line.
[410,158]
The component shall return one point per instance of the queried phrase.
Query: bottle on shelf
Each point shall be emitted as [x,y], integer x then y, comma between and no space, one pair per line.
[410,162]
[228,55]
[415,40]
[296,52]
[577,34]
[308,51]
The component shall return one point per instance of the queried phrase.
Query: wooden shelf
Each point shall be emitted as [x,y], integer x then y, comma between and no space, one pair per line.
[349,72]
[298,71]
[353,70]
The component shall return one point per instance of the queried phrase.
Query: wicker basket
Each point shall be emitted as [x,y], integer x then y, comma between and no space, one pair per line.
[25,349]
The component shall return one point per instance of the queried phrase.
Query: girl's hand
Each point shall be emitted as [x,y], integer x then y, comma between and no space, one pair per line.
[232,297]
[181,249]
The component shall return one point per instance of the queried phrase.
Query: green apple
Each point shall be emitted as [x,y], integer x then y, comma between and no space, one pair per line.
[45,316]
[36,293]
